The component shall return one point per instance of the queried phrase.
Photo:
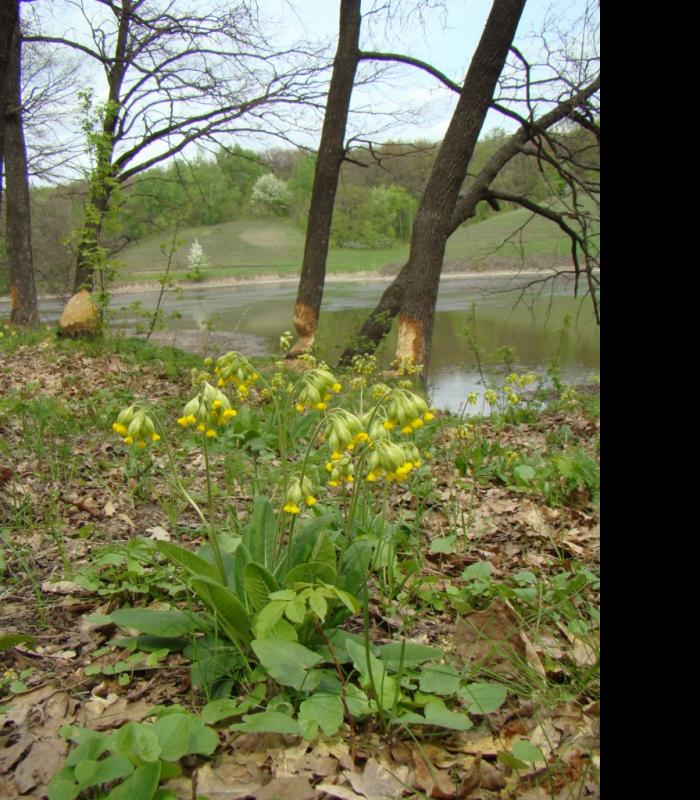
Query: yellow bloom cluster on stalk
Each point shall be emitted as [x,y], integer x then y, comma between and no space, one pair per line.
[392,461]
[318,386]
[136,427]
[515,381]
[508,393]
[522,380]
[350,436]
[404,409]
[234,369]
[299,494]
[208,410]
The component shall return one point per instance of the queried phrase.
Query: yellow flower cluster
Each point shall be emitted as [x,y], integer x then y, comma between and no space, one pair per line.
[392,461]
[10,330]
[235,369]
[341,469]
[385,459]
[135,426]
[364,364]
[404,410]
[569,396]
[520,381]
[207,411]
[406,365]
[299,494]
[344,430]
[317,388]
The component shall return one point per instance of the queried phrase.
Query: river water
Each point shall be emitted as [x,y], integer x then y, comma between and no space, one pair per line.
[530,320]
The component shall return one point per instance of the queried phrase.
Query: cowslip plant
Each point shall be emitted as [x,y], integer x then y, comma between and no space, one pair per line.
[296,571]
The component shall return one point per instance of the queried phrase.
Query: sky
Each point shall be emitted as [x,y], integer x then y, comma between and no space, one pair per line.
[447,39]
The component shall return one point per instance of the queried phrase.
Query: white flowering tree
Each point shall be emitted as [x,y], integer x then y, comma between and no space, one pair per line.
[270,195]
[197,261]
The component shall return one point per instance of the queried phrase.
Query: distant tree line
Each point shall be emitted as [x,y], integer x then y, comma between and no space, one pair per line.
[379,190]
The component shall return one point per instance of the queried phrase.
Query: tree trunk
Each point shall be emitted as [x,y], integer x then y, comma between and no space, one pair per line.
[96,207]
[8,20]
[19,240]
[432,225]
[330,157]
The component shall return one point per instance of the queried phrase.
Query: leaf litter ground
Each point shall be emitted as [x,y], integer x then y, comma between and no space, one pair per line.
[64,496]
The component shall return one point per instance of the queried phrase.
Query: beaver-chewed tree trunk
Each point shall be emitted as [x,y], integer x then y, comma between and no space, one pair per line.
[419,280]
[25,310]
[331,153]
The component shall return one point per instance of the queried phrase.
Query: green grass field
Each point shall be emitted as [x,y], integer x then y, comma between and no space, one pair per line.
[252,247]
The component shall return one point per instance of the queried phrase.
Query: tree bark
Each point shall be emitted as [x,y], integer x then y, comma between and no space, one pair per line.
[95,209]
[330,157]
[8,20]
[19,241]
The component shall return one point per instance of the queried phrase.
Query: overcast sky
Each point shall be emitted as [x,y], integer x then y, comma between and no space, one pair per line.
[446,37]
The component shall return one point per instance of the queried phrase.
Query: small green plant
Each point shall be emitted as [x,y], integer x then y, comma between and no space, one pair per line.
[132,761]
[132,570]
[295,573]
[156,318]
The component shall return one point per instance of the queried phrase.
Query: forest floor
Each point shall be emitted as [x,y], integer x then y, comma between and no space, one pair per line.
[493,563]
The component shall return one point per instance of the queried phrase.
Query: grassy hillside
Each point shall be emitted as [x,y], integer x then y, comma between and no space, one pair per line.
[508,237]
[252,247]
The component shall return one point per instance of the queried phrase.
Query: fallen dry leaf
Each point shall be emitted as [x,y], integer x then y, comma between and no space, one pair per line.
[63,587]
[341,792]
[471,780]
[583,654]
[431,780]
[29,741]
[472,742]
[294,788]
[489,636]
[376,782]
[491,777]
[223,779]
[546,737]
[300,761]
[105,713]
